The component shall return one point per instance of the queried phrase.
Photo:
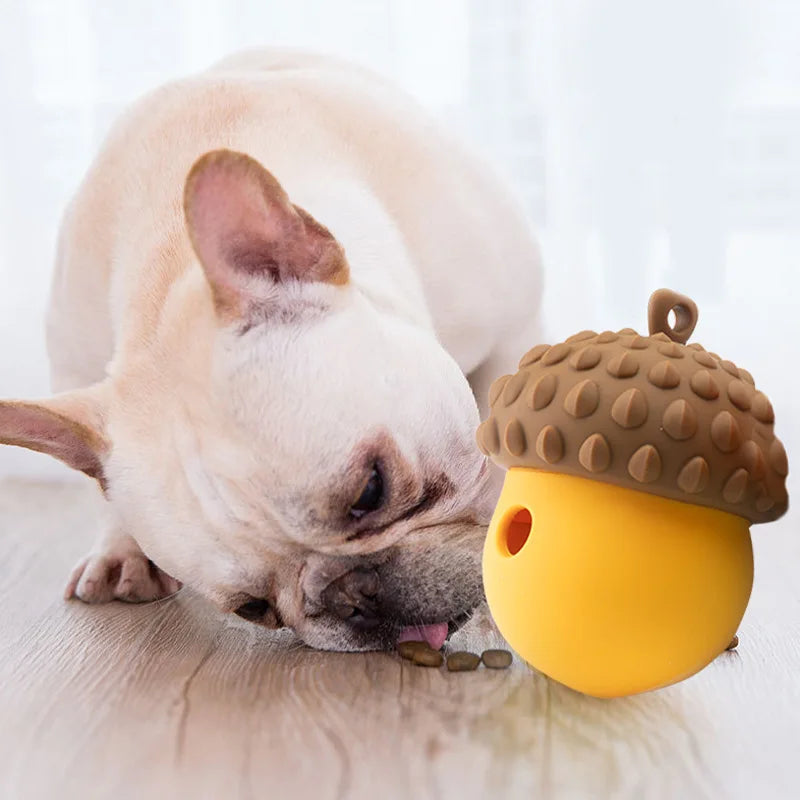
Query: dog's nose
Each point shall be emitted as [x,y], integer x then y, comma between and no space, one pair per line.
[353,597]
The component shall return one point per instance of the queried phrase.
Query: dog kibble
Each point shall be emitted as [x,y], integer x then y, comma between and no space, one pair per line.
[407,649]
[496,659]
[462,661]
[428,658]
[734,643]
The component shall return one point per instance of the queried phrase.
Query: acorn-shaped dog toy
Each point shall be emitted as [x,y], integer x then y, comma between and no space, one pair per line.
[619,557]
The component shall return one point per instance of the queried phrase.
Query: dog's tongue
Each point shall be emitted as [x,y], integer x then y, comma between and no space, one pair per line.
[434,635]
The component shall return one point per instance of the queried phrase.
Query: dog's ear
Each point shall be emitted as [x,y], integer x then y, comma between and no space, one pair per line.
[70,427]
[248,235]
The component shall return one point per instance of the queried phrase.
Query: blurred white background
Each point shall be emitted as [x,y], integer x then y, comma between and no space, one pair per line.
[653,144]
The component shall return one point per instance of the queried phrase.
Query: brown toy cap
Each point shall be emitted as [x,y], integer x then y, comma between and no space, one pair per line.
[645,412]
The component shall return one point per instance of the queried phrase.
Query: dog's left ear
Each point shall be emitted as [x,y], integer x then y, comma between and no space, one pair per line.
[70,427]
[250,238]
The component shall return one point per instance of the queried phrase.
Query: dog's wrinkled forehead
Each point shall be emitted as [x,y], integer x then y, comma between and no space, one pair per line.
[306,393]
[322,402]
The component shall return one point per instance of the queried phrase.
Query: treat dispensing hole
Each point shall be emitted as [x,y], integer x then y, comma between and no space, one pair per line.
[514,531]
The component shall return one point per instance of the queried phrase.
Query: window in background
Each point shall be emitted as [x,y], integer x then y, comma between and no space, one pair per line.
[651,143]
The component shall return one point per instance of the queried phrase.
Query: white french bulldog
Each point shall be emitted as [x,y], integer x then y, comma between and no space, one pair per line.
[268,292]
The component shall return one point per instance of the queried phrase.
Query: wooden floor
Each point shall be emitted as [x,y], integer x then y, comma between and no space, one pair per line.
[173,700]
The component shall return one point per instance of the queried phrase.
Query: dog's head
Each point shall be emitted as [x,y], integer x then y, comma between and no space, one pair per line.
[282,443]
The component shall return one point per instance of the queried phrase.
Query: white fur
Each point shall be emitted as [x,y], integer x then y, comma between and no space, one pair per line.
[226,447]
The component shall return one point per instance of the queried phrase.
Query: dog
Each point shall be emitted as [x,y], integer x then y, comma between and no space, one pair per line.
[278,292]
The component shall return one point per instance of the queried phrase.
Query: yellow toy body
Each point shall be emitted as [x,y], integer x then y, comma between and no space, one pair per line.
[609,590]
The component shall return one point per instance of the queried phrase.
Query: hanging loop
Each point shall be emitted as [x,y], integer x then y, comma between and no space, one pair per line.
[661,303]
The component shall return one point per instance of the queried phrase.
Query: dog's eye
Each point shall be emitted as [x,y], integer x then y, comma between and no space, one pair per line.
[371,498]
[253,611]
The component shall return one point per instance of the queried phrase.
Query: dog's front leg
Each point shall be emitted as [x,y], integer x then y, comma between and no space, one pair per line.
[117,569]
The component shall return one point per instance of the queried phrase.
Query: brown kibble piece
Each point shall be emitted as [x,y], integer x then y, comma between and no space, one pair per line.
[623,365]
[514,438]
[407,649]
[496,389]
[550,445]
[595,454]
[462,661]
[533,355]
[582,399]
[664,375]
[648,413]
[543,391]
[645,464]
[630,409]
[693,478]
[680,420]
[514,387]
[556,354]
[703,385]
[725,432]
[427,658]
[586,358]
[733,644]
[496,659]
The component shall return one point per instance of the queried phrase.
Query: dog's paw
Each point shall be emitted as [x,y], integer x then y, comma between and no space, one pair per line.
[127,575]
